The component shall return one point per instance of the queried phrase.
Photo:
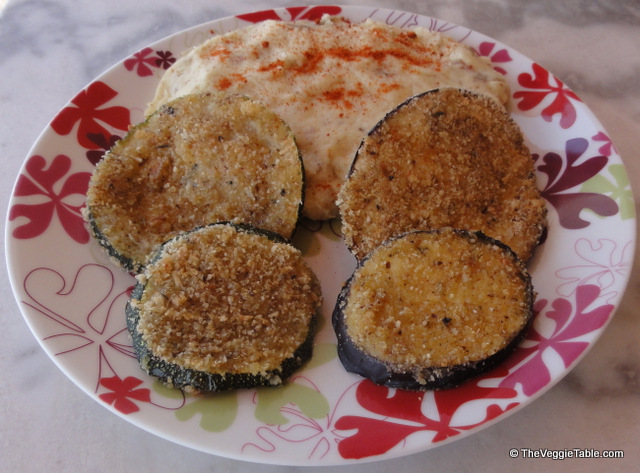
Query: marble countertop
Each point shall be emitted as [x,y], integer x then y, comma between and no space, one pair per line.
[51,50]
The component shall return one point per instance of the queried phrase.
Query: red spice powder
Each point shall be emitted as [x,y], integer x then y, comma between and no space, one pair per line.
[340,96]
[270,67]
[420,57]
[409,52]
[333,94]
[222,53]
[385,88]
[407,39]
[239,78]
[312,59]
[224,83]
[357,92]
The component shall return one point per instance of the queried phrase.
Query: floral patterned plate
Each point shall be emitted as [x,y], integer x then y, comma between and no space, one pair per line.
[73,298]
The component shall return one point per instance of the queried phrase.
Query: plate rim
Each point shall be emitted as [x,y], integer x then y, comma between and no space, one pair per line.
[11,263]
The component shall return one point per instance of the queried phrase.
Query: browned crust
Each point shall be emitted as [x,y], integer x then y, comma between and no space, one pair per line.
[445,158]
[331,80]
[428,310]
[224,301]
[200,159]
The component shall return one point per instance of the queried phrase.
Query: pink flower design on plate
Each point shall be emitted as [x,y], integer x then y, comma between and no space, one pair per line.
[104,144]
[298,425]
[565,174]
[84,314]
[143,61]
[604,263]
[607,147]
[487,48]
[164,59]
[38,184]
[88,112]
[295,13]
[542,84]
[570,322]
[400,19]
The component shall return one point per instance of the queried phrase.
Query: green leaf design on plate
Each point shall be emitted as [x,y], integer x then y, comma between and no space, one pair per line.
[310,402]
[218,411]
[165,391]
[322,353]
[619,190]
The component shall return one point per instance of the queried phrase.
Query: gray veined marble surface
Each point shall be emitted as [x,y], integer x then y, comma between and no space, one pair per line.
[49,50]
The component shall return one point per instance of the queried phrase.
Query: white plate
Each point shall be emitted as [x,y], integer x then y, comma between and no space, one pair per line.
[73,298]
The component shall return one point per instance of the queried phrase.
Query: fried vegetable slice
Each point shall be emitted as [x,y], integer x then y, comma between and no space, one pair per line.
[431,309]
[445,158]
[224,306]
[200,159]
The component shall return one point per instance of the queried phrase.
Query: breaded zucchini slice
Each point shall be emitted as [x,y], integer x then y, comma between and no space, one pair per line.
[431,309]
[444,158]
[199,159]
[224,306]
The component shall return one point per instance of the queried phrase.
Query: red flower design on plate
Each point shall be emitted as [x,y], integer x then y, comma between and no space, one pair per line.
[122,392]
[402,415]
[571,321]
[295,13]
[104,143]
[84,319]
[543,84]
[40,182]
[486,48]
[88,112]
[82,314]
[143,61]
[165,59]
[563,177]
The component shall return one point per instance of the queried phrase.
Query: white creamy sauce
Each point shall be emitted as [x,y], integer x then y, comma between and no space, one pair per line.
[331,81]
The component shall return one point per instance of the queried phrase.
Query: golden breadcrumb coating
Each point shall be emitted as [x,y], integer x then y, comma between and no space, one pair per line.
[224,301]
[446,158]
[437,299]
[198,160]
[331,80]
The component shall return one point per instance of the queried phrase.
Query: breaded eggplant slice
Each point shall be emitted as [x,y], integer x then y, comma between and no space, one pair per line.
[200,159]
[444,158]
[224,306]
[431,309]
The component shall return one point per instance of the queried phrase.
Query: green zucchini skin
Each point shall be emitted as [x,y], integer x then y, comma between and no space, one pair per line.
[192,380]
[378,371]
[179,377]
[124,262]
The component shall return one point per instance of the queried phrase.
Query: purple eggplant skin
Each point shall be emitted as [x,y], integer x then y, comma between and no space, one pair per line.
[356,361]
